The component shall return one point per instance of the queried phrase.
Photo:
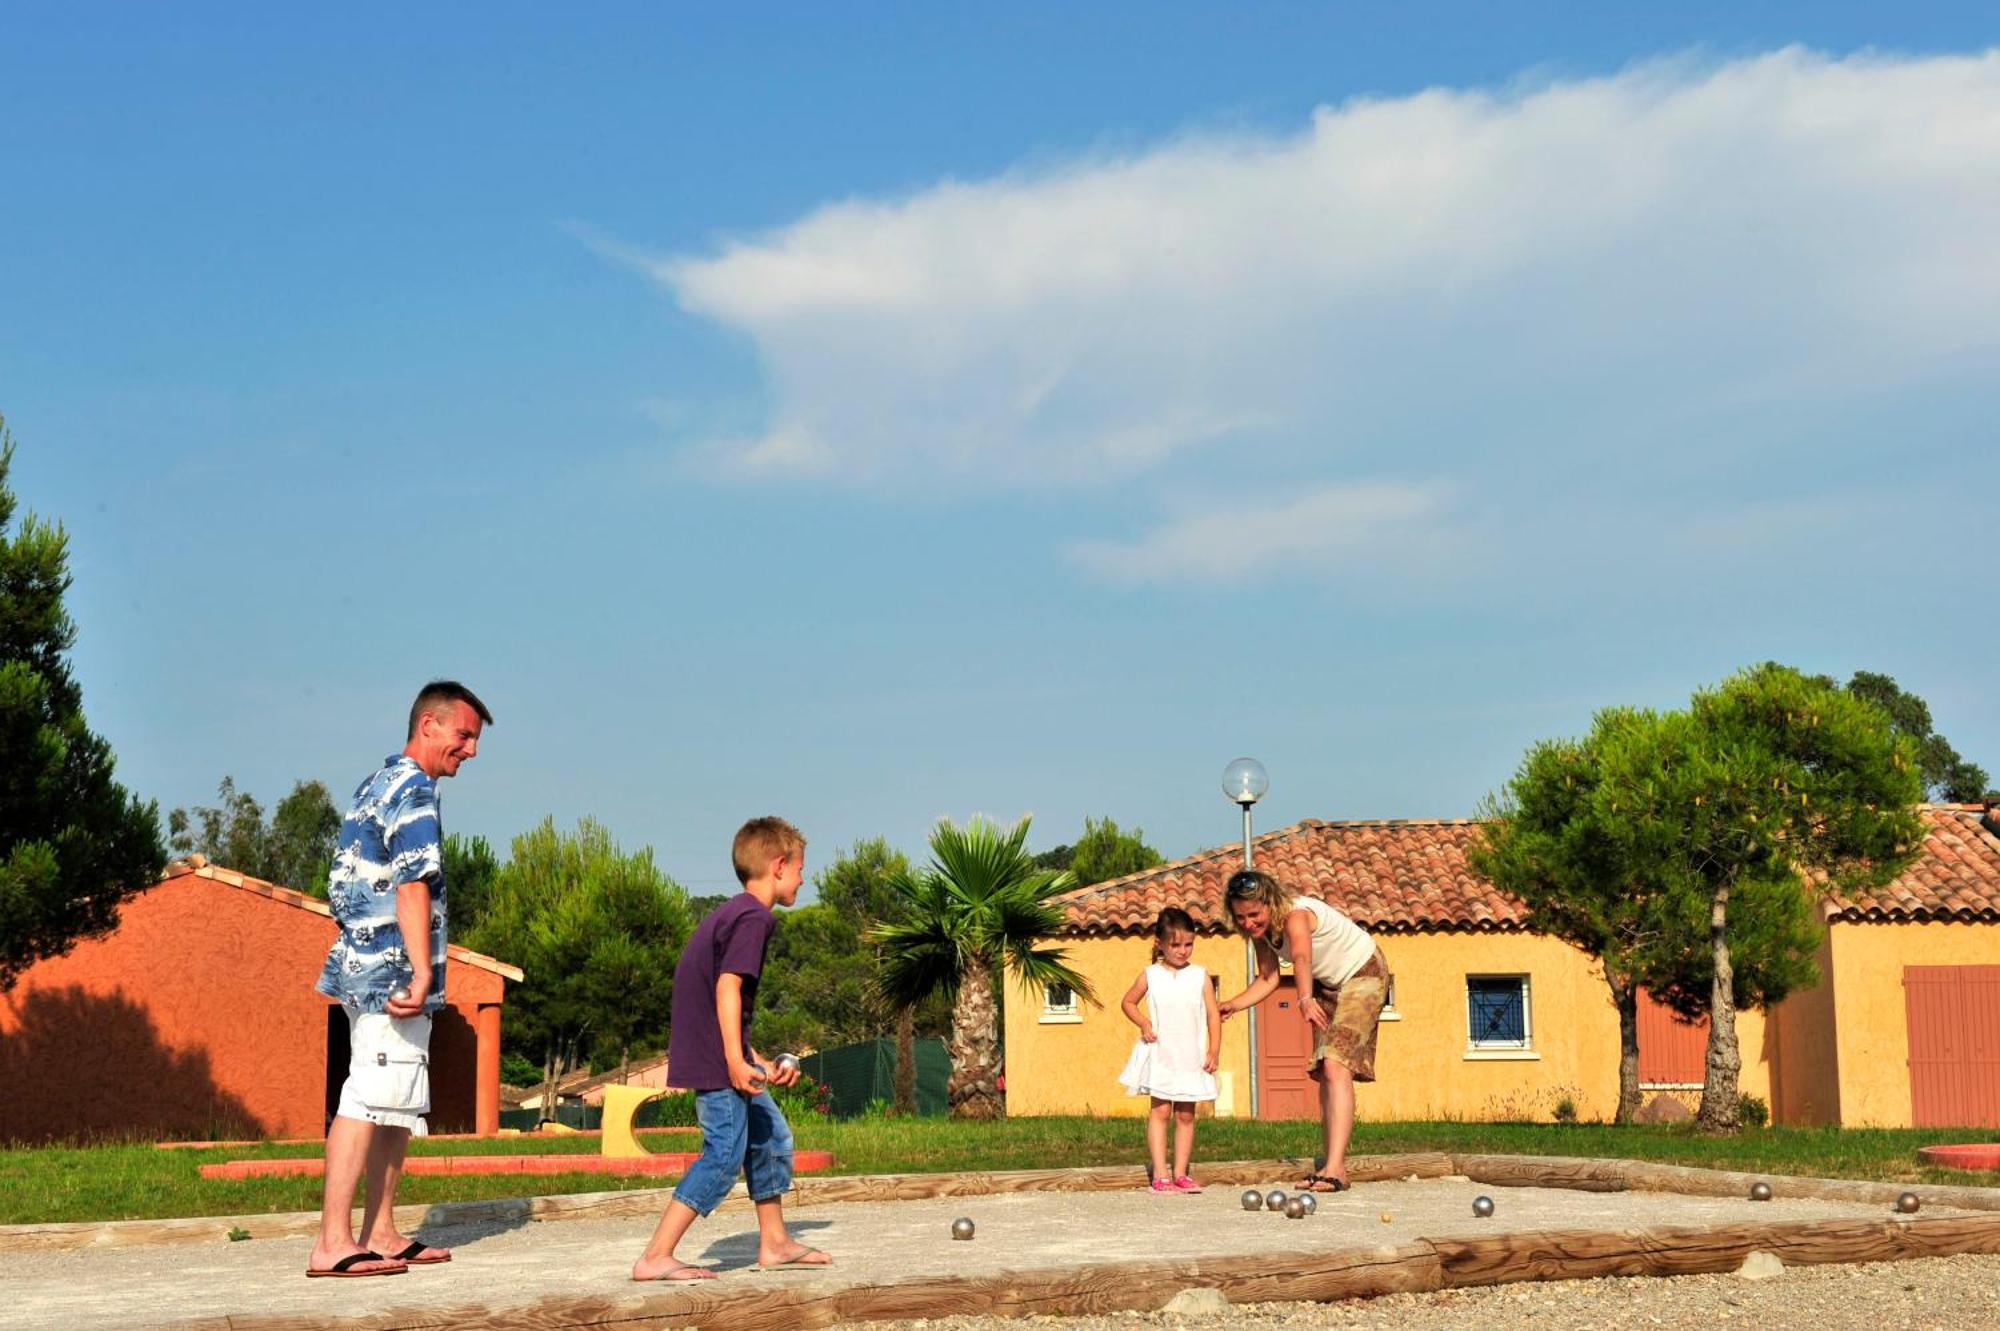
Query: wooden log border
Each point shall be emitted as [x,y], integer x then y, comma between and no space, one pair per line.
[808,1191]
[1419,1267]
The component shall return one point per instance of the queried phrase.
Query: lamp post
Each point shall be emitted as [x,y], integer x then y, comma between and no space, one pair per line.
[1244,782]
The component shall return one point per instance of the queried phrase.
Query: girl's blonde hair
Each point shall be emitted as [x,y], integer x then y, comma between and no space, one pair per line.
[1250,885]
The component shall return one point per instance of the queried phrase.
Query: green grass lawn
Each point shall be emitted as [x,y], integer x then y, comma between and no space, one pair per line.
[139,1181]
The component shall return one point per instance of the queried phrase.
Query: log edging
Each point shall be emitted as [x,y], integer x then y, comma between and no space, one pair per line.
[1144,1286]
[651,1201]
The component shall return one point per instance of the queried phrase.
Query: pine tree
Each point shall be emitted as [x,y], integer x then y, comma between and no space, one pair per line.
[73,842]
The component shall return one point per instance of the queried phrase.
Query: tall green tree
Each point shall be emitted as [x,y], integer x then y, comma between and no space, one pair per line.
[1947,777]
[979,909]
[1546,840]
[73,842]
[1104,852]
[469,870]
[596,933]
[295,847]
[1771,789]
[861,886]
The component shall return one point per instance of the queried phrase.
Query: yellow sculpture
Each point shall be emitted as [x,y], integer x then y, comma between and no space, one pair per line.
[620,1104]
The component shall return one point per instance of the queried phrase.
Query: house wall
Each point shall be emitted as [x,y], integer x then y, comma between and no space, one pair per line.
[1073,1067]
[1424,1068]
[196,1018]
[1804,1062]
[1872,1045]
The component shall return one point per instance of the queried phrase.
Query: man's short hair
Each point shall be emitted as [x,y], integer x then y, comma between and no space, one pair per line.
[441,693]
[762,840]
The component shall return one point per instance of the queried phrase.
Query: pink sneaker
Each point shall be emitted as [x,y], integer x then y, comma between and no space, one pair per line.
[1185,1184]
[1162,1186]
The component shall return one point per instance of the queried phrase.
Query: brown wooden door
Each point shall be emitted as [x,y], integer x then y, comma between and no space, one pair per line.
[1284,1043]
[1954,1020]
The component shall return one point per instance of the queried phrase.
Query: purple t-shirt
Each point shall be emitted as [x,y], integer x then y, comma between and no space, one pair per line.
[730,941]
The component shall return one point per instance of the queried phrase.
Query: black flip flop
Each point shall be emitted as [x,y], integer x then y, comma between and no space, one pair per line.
[409,1255]
[342,1269]
[1312,1182]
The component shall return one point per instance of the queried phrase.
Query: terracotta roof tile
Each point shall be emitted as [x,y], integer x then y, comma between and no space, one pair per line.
[1389,876]
[1956,878]
[196,866]
[1404,876]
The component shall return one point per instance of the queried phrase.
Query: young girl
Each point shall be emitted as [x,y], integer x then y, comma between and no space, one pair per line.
[1180,1034]
[1335,956]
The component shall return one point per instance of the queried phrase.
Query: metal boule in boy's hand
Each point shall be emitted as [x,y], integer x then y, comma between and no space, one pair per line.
[399,995]
[788,1062]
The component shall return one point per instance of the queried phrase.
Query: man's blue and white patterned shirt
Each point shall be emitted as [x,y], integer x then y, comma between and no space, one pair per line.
[391,835]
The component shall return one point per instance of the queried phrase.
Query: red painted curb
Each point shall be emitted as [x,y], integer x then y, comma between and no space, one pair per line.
[662,1162]
[1977,1156]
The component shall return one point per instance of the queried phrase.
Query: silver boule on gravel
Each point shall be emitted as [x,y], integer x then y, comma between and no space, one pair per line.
[1760,1191]
[1908,1203]
[1482,1207]
[961,1228]
[1253,1200]
[1295,1208]
[1274,1200]
[1307,1200]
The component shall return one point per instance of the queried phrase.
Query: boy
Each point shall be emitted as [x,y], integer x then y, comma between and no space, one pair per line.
[709,1053]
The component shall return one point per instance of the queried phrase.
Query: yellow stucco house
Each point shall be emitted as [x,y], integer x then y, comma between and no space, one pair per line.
[1489,1021]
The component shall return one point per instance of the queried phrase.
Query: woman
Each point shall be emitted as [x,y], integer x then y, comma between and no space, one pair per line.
[1342,982]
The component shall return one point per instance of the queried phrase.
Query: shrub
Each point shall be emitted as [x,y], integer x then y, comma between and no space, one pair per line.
[1565,1110]
[1753,1111]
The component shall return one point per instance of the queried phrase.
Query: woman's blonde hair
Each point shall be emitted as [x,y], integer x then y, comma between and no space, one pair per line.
[1250,885]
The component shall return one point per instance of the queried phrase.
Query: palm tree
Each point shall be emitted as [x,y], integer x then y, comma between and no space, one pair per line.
[980,904]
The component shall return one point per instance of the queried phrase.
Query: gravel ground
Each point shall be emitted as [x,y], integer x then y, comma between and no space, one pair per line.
[1934,1294]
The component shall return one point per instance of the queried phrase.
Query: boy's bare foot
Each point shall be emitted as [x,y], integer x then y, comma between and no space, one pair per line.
[669,1269]
[797,1254]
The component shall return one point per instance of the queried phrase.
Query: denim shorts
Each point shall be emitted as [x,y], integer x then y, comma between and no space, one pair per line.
[746,1133]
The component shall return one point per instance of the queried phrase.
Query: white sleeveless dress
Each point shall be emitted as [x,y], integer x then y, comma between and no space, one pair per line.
[1170,1067]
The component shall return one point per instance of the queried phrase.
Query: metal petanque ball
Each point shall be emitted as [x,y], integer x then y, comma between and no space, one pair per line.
[1760,1191]
[788,1062]
[1295,1209]
[1274,1200]
[1908,1203]
[1482,1207]
[1307,1200]
[961,1228]
[1253,1200]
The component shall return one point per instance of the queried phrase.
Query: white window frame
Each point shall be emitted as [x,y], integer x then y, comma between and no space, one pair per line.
[1068,1013]
[1496,1050]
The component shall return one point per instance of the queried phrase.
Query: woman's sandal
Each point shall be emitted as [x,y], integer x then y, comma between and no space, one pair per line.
[1312,1183]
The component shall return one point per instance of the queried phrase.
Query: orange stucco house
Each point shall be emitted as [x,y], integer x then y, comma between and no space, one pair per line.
[139,1034]
[1488,1020]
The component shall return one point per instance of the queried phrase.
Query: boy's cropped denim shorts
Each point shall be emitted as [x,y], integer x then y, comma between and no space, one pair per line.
[738,1132]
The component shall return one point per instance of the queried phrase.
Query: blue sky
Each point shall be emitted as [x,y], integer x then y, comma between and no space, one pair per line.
[872,413]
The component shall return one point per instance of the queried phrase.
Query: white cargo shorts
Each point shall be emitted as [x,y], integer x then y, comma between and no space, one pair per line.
[389,1071]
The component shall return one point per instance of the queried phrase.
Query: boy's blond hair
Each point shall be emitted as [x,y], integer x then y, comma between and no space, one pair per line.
[760,841]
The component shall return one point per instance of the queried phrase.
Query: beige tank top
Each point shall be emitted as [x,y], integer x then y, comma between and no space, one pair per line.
[1340,947]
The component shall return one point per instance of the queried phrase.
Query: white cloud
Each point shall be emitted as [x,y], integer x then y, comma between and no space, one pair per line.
[1671,236]
[1327,530]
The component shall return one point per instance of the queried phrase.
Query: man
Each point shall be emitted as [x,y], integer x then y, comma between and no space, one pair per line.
[387,969]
